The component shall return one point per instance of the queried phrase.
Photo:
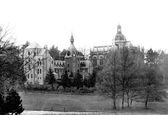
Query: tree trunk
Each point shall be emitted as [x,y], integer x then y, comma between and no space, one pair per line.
[128,99]
[146,102]
[52,87]
[131,101]
[123,100]
[114,103]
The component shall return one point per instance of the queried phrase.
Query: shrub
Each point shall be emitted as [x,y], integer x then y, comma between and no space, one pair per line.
[13,103]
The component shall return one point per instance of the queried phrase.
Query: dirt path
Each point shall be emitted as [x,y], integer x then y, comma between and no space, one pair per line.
[81,113]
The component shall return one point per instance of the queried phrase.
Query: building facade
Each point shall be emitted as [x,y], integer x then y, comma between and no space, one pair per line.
[98,53]
[38,61]
[73,62]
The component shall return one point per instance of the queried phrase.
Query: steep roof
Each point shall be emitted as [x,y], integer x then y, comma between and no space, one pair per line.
[33,45]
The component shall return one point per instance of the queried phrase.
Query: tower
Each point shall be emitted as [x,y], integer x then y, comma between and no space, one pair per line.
[120,39]
[72,58]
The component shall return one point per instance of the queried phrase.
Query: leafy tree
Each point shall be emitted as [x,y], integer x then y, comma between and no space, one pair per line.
[62,54]
[50,78]
[108,82]
[163,63]
[152,87]
[13,103]
[54,52]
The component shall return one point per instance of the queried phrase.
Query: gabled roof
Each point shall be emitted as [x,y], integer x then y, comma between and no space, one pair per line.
[34,45]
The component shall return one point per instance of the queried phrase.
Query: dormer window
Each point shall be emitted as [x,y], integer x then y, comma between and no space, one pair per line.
[28,53]
[68,53]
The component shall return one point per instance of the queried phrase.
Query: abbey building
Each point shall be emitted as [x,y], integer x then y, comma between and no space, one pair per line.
[98,53]
[38,61]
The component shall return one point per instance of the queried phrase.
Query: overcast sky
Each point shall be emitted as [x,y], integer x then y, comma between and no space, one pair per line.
[93,22]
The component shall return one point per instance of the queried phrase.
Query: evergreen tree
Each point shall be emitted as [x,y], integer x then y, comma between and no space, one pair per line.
[92,79]
[1,104]
[65,80]
[13,103]
[54,52]
[50,78]
[78,81]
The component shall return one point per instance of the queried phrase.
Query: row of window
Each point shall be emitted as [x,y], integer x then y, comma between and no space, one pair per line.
[31,76]
[39,71]
[30,53]
[59,64]
[74,65]
[58,70]
[39,63]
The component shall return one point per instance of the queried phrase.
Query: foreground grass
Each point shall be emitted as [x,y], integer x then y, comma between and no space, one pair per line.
[81,103]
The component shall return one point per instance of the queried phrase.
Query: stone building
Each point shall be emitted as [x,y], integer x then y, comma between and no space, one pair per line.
[98,53]
[73,62]
[38,61]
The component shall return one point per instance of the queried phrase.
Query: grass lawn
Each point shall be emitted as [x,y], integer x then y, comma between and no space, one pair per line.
[62,102]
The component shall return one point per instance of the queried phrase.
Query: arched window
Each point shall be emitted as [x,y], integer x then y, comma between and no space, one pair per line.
[68,53]
[101,58]
[94,61]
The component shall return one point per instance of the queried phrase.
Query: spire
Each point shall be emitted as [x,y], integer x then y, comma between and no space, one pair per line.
[119,29]
[72,39]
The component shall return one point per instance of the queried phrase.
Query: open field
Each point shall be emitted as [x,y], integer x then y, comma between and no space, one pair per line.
[82,103]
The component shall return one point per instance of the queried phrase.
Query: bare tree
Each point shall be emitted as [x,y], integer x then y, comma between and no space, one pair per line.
[108,82]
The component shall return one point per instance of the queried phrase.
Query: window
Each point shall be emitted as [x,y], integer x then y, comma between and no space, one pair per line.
[68,53]
[101,60]
[37,71]
[28,76]
[28,53]
[34,53]
[40,71]
[31,75]
[68,64]
[94,61]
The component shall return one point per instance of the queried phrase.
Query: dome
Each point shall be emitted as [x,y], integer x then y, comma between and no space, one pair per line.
[72,49]
[120,37]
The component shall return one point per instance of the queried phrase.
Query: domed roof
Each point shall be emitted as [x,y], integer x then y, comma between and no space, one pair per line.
[119,35]
[72,49]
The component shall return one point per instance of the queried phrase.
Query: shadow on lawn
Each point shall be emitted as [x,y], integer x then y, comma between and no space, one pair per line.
[64,105]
